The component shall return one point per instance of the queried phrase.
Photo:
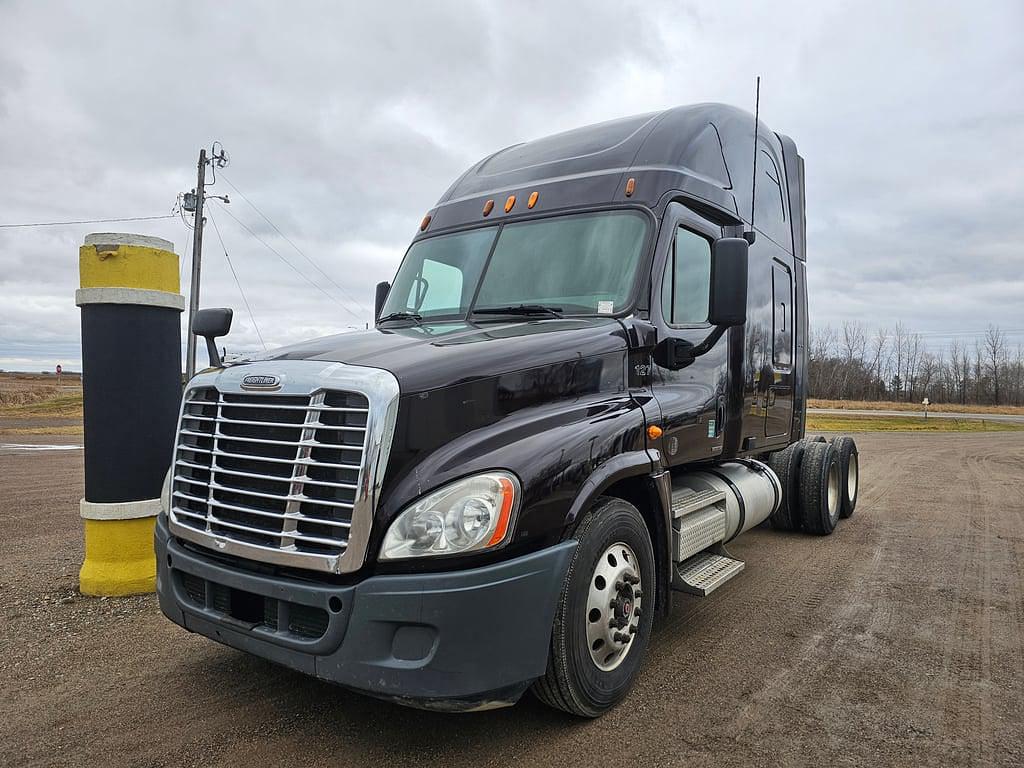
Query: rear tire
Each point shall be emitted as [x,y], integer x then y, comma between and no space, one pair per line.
[786,465]
[820,495]
[589,673]
[849,473]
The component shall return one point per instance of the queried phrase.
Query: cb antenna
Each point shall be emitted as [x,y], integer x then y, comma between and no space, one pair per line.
[753,187]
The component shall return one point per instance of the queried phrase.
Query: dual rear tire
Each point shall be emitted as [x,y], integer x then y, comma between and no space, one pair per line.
[819,488]
[849,467]
[819,481]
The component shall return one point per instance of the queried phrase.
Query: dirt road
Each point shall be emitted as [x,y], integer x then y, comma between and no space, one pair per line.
[898,641]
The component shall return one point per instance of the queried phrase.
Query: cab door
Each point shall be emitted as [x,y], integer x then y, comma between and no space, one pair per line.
[692,399]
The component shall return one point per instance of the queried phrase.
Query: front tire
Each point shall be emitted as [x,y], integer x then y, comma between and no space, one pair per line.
[604,614]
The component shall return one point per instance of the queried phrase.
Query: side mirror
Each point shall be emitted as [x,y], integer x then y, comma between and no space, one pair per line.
[380,298]
[728,305]
[211,324]
[728,282]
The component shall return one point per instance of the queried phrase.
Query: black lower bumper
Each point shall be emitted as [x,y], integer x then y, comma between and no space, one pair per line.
[456,641]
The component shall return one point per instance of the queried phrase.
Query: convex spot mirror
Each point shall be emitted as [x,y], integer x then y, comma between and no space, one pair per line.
[728,305]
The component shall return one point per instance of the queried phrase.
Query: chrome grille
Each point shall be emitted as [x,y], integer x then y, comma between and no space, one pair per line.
[273,471]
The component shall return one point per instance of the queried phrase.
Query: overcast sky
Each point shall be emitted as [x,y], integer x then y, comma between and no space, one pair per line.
[345,124]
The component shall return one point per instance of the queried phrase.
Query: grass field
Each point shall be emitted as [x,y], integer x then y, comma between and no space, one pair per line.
[886,405]
[842,423]
[33,404]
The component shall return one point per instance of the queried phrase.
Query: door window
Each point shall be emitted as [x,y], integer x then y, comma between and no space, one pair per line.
[686,288]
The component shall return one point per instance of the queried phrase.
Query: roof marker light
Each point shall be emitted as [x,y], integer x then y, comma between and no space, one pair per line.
[425,223]
[630,186]
[533,199]
[509,203]
[488,207]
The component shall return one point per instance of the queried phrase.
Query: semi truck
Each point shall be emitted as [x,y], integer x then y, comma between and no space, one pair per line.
[587,378]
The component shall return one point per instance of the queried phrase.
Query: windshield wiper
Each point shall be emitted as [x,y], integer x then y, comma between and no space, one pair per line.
[521,309]
[401,316]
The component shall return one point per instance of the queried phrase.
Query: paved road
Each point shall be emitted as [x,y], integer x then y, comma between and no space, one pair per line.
[895,642]
[1017,419]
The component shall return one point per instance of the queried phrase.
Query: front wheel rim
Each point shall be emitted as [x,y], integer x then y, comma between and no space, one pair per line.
[612,619]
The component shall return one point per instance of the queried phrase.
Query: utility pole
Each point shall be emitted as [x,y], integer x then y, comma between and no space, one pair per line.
[197,256]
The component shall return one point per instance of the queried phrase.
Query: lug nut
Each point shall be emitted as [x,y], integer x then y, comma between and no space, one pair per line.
[638,593]
[632,629]
[631,579]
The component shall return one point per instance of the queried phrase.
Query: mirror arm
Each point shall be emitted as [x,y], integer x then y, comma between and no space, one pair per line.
[709,341]
[211,350]
[693,351]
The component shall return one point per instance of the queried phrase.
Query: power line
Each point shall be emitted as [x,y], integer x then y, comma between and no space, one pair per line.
[86,221]
[297,271]
[293,245]
[237,282]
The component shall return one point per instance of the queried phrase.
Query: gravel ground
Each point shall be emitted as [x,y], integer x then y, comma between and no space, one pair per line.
[898,641]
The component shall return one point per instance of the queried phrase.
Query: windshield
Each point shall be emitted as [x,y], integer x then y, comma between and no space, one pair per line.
[583,264]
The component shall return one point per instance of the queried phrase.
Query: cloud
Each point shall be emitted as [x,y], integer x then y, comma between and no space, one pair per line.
[346,123]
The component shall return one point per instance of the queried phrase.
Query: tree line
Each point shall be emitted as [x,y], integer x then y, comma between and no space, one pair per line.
[851,363]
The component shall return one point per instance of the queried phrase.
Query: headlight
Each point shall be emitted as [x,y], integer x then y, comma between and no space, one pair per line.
[468,515]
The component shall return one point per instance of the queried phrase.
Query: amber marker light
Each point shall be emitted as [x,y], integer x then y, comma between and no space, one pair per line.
[630,186]
[509,203]
[654,432]
[425,223]
[533,199]
[508,496]
[488,207]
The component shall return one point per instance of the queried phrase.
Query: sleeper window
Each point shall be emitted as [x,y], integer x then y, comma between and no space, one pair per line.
[782,289]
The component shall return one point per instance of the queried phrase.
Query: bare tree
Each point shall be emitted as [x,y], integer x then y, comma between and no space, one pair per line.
[881,357]
[995,355]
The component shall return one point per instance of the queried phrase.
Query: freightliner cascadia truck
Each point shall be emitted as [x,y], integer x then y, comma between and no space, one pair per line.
[587,377]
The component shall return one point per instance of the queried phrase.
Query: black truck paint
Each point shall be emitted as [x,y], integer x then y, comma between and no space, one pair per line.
[564,403]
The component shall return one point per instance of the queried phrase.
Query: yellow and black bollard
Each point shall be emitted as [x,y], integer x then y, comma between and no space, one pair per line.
[131,380]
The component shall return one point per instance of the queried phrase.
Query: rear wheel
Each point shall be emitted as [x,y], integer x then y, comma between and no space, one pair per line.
[820,492]
[604,614]
[786,465]
[849,472]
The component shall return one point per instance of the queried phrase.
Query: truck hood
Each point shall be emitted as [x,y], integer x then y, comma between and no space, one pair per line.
[429,356]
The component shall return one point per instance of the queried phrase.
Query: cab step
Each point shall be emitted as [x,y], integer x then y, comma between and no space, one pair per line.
[698,522]
[685,501]
[702,574]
